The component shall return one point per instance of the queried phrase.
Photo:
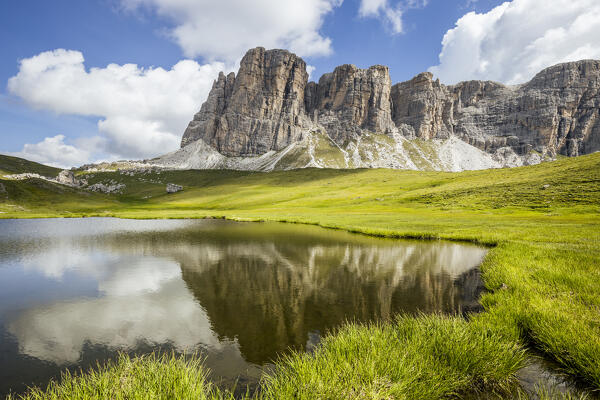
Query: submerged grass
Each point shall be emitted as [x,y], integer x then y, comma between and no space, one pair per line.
[542,274]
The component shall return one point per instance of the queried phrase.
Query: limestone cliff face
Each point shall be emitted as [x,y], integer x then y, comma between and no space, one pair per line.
[351,99]
[260,109]
[557,112]
[562,105]
[270,105]
[419,107]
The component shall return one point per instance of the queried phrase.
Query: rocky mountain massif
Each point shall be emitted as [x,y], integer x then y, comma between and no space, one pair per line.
[269,116]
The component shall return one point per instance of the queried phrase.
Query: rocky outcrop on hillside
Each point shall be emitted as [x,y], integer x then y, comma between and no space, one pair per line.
[270,110]
[173,188]
[65,177]
[111,187]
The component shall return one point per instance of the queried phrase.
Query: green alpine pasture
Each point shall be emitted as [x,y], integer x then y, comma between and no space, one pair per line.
[542,272]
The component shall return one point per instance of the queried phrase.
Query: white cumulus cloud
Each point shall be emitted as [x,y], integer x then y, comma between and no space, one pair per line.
[55,152]
[225,29]
[515,40]
[391,14]
[142,111]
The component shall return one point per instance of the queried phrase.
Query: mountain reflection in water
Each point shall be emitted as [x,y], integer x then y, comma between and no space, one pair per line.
[240,293]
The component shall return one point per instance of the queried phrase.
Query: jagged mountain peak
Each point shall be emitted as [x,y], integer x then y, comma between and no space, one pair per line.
[269,105]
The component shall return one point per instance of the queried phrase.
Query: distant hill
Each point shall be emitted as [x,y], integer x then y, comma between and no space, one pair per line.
[16,165]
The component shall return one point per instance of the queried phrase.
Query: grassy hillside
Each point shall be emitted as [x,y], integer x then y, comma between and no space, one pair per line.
[15,165]
[543,273]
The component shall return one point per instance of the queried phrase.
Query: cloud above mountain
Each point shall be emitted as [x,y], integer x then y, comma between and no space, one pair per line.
[223,30]
[517,39]
[142,111]
[390,13]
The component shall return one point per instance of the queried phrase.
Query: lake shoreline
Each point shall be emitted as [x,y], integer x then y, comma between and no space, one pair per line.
[541,270]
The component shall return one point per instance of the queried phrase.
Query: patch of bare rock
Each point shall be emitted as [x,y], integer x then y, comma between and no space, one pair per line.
[68,178]
[108,188]
[173,188]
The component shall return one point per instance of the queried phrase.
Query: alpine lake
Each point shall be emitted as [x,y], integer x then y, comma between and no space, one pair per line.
[75,292]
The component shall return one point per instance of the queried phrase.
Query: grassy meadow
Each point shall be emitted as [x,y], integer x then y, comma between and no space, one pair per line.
[14,165]
[542,272]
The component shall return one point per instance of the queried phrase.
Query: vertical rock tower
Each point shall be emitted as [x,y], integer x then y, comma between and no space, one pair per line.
[350,100]
[260,109]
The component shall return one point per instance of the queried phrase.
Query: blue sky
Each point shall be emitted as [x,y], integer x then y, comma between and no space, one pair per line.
[69,107]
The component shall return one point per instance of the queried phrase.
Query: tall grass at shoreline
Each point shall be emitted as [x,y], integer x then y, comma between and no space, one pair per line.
[147,377]
[430,357]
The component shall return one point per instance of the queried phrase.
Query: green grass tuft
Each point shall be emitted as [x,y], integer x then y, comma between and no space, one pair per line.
[430,357]
[150,377]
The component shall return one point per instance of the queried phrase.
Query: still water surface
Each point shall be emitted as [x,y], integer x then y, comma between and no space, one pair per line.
[73,291]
